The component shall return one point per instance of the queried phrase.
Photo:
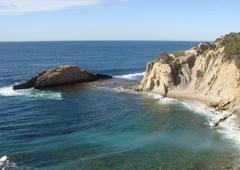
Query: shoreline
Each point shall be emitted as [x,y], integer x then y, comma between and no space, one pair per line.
[229,128]
[189,95]
[205,100]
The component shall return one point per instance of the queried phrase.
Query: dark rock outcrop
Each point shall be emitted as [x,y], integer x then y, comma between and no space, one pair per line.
[62,75]
[216,124]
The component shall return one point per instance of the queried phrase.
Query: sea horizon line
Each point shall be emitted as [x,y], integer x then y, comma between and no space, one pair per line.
[23,41]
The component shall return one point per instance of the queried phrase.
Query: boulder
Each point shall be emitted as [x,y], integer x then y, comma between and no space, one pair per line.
[204,46]
[221,105]
[62,75]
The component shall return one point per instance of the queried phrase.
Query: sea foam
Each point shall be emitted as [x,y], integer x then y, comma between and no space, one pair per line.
[34,93]
[3,160]
[229,128]
[6,164]
[131,76]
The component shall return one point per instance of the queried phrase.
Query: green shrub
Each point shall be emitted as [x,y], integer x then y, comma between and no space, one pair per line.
[199,74]
[165,58]
[179,53]
[163,55]
[232,48]
[232,37]
[232,51]
[237,62]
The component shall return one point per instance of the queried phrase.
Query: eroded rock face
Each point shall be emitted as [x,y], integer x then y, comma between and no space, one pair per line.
[202,71]
[62,75]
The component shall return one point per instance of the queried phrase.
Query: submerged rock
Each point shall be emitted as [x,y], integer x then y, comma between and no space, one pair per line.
[62,75]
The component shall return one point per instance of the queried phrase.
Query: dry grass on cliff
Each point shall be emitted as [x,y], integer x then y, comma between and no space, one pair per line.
[165,58]
[179,54]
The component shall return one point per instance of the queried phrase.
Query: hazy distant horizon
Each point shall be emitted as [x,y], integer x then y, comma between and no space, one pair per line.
[106,41]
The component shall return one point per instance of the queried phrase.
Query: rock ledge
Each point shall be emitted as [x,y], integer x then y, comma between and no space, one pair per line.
[61,75]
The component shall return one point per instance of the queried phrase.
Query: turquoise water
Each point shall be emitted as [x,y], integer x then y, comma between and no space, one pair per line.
[100,126]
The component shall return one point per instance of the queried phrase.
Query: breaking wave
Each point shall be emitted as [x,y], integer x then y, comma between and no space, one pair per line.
[5,163]
[34,93]
[131,76]
[229,128]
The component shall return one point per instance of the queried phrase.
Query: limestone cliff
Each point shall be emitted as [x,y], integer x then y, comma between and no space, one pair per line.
[208,71]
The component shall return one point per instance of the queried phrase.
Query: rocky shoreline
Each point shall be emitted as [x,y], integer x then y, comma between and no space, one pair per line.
[208,73]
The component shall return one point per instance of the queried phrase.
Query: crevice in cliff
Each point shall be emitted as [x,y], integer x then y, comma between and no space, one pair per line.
[201,70]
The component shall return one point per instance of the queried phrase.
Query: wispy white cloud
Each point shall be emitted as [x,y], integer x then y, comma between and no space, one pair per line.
[17,7]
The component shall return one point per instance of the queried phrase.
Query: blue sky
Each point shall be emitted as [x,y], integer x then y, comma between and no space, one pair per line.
[39,20]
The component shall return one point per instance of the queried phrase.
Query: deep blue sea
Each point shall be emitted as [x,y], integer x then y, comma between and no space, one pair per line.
[100,126]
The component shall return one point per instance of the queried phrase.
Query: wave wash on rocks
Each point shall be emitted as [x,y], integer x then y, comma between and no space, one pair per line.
[62,75]
[208,70]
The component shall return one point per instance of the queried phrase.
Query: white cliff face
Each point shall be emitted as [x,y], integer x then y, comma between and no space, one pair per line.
[158,77]
[201,71]
[211,76]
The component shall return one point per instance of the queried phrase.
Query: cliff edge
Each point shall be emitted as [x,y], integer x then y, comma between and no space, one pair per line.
[209,72]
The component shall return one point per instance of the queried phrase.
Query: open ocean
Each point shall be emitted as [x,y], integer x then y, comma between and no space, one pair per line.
[100,126]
